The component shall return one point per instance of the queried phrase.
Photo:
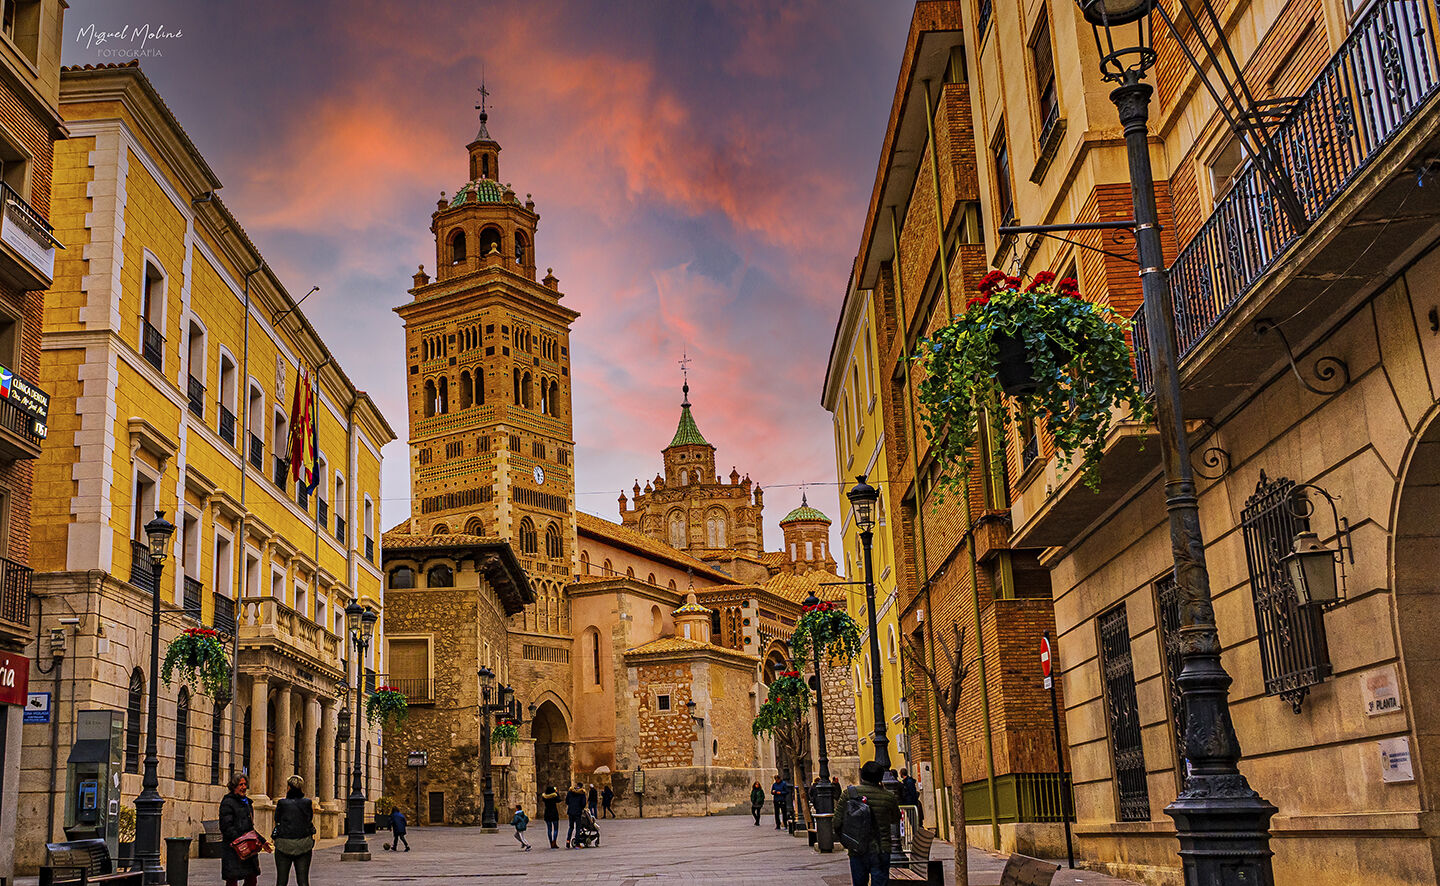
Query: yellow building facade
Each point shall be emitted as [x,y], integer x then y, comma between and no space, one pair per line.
[173,354]
[851,396]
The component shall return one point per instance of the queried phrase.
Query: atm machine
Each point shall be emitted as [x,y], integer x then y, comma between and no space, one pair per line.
[92,779]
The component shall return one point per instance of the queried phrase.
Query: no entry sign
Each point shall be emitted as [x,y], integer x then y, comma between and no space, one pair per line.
[1045,658]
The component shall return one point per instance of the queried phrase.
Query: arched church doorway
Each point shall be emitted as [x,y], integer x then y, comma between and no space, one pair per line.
[1416,576]
[552,748]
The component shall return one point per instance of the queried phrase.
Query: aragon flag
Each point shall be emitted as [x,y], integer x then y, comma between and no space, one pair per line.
[302,434]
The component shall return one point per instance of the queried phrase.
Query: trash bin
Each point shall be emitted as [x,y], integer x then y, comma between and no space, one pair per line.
[177,861]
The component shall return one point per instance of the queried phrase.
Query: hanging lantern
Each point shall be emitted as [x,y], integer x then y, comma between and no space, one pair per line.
[1311,567]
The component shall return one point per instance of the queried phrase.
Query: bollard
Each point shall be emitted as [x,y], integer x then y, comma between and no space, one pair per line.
[177,861]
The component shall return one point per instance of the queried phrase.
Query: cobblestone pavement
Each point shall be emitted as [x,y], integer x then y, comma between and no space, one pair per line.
[727,850]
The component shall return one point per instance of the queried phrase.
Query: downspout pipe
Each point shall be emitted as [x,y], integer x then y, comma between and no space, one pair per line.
[237,589]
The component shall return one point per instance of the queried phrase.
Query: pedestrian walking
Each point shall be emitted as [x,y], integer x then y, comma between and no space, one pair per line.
[863,819]
[607,797]
[910,795]
[593,801]
[397,830]
[237,819]
[551,799]
[782,792]
[574,808]
[294,833]
[520,821]
[757,801]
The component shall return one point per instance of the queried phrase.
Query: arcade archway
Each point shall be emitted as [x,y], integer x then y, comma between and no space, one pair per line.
[552,748]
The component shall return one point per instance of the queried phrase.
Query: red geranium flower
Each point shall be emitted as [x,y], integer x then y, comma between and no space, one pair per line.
[990,282]
[1012,282]
[1068,287]
[977,300]
[1043,278]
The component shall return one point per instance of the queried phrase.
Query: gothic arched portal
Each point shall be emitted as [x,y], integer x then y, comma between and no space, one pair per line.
[552,749]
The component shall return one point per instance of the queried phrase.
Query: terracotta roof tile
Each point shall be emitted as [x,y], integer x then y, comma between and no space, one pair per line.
[670,645]
[623,535]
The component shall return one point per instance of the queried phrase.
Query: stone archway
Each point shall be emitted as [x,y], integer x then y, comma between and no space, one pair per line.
[552,748]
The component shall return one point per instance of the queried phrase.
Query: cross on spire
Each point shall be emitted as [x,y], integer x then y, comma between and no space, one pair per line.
[484,133]
[685,362]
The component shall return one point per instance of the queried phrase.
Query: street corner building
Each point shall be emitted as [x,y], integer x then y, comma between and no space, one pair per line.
[1305,334]
[174,355]
[632,653]
[941,559]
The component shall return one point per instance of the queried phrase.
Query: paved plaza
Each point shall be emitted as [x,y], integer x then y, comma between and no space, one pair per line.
[726,850]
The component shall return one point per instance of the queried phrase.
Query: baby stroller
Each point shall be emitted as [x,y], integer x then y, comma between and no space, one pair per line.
[587,832]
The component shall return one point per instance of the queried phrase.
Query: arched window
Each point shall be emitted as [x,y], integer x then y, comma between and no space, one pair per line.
[440,529]
[527,396]
[592,647]
[553,547]
[133,713]
[457,247]
[584,562]
[677,529]
[520,250]
[672,584]
[479,392]
[430,398]
[529,543]
[894,645]
[442,400]
[217,739]
[544,398]
[467,390]
[474,527]
[182,735]
[684,478]
[657,619]
[516,398]
[440,576]
[554,397]
[402,578]
[715,529]
[630,572]
[650,579]
[489,241]
[606,568]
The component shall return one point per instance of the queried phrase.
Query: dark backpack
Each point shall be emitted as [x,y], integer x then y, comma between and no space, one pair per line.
[857,826]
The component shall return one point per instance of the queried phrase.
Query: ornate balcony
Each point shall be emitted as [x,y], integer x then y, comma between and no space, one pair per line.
[267,622]
[152,345]
[15,598]
[194,592]
[27,244]
[142,572]
[196,392]
[224,620]
[227,426]
[257,452]
[1348,144]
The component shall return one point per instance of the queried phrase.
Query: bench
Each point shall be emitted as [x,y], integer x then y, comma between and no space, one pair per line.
[920,869]
[1022,870]
[81,862]
[212,845]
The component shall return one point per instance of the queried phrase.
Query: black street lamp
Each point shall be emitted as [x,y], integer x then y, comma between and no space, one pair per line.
[360,622]
[149,805]
[704,751]
[1222,823]
[825,791]
[489,818]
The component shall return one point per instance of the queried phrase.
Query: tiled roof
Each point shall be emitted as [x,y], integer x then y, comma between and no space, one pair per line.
[644,544]
[691,608]
[804,512]
[482,190]
[671,645]
[686,433]
[796,586]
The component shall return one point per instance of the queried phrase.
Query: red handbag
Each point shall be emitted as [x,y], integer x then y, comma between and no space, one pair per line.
[247,844]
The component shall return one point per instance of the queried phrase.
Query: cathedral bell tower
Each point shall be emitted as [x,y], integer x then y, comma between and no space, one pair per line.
[487,362]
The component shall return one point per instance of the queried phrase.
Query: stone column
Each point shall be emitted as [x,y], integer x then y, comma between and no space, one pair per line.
[325,778]
[284,740]
[307,744]
[259,698]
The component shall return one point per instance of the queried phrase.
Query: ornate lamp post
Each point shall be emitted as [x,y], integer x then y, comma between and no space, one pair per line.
[488,816]
[1222,823]
[149,804]
[360,621]
[825,791]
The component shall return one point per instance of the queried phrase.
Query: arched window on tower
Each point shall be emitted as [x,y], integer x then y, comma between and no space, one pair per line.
[430,398]
[677,529]
[554,397]
[467,390]
[457,247]
[715,529]
[474,527]
[607,568]
[489,241]
[527,395]
[516,399]
[544,398]
[553,548]
[584,562]
[520,248]
[529,542]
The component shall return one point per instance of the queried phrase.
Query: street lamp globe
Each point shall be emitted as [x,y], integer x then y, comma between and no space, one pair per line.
[487,679]
[863,497]
[158,532]
[353,612]
[1122,36]
[367,625]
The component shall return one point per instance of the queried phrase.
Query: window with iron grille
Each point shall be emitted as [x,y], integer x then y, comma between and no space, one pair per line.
[1127,752]
[1294,654]
[1167,604]
[217,736]
[182,735]
[133,713]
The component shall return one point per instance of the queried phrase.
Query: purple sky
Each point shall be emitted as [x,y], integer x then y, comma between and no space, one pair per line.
[701,170]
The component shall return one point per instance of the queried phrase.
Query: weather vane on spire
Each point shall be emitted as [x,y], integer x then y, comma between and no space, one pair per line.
[685,362]
[484,94]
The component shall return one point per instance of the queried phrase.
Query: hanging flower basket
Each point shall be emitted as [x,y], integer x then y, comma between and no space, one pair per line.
[789,684]
[1062,358]
[198,656]
[386,705]
[829,627]
[504,731]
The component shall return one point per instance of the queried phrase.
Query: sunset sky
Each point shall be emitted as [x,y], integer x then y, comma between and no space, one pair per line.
[701,170]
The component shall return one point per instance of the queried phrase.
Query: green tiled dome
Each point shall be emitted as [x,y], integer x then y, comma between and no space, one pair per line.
[804,512]
[481,190]
[686,433]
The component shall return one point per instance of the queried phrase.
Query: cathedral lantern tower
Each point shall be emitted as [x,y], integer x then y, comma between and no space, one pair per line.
[487,363]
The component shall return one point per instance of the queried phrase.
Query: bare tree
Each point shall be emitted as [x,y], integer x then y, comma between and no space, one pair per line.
[947,698]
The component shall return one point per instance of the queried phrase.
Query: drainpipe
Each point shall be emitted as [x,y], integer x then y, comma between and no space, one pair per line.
[238,588]
[939,208]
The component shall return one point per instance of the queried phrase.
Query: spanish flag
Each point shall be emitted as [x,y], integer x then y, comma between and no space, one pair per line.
[304,446]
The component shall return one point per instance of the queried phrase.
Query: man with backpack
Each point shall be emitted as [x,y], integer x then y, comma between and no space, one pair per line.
[863,818]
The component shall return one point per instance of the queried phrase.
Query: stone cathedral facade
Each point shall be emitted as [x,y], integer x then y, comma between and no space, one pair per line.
[603,630]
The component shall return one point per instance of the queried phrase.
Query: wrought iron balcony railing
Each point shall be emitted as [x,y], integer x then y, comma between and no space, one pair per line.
[152,345]
[322,512]
[227,426]
[369,549]
[1382,75]
[15,591]
[282,470]
[194,590]
[142,571]
[257,451]
[224,620]
[196,391]
[339,528]
[417,690]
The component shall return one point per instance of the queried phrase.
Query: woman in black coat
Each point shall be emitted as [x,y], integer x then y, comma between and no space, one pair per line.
[237,819]
[294,834]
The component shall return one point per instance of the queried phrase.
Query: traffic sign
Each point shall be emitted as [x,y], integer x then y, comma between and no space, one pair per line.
[1045,655]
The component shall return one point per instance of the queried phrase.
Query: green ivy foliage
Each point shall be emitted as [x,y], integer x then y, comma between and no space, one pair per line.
[828,626]
[789,699]
[1079,358]
[387,704]
[198,656]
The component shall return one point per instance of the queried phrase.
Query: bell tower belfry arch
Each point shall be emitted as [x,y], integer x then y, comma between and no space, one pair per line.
[487,363]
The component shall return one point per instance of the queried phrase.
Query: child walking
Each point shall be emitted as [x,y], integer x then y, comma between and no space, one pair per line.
[521,821]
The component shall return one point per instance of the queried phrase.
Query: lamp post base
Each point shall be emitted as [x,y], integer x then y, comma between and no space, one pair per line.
[355,856]
[1224,832]
[824,817]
